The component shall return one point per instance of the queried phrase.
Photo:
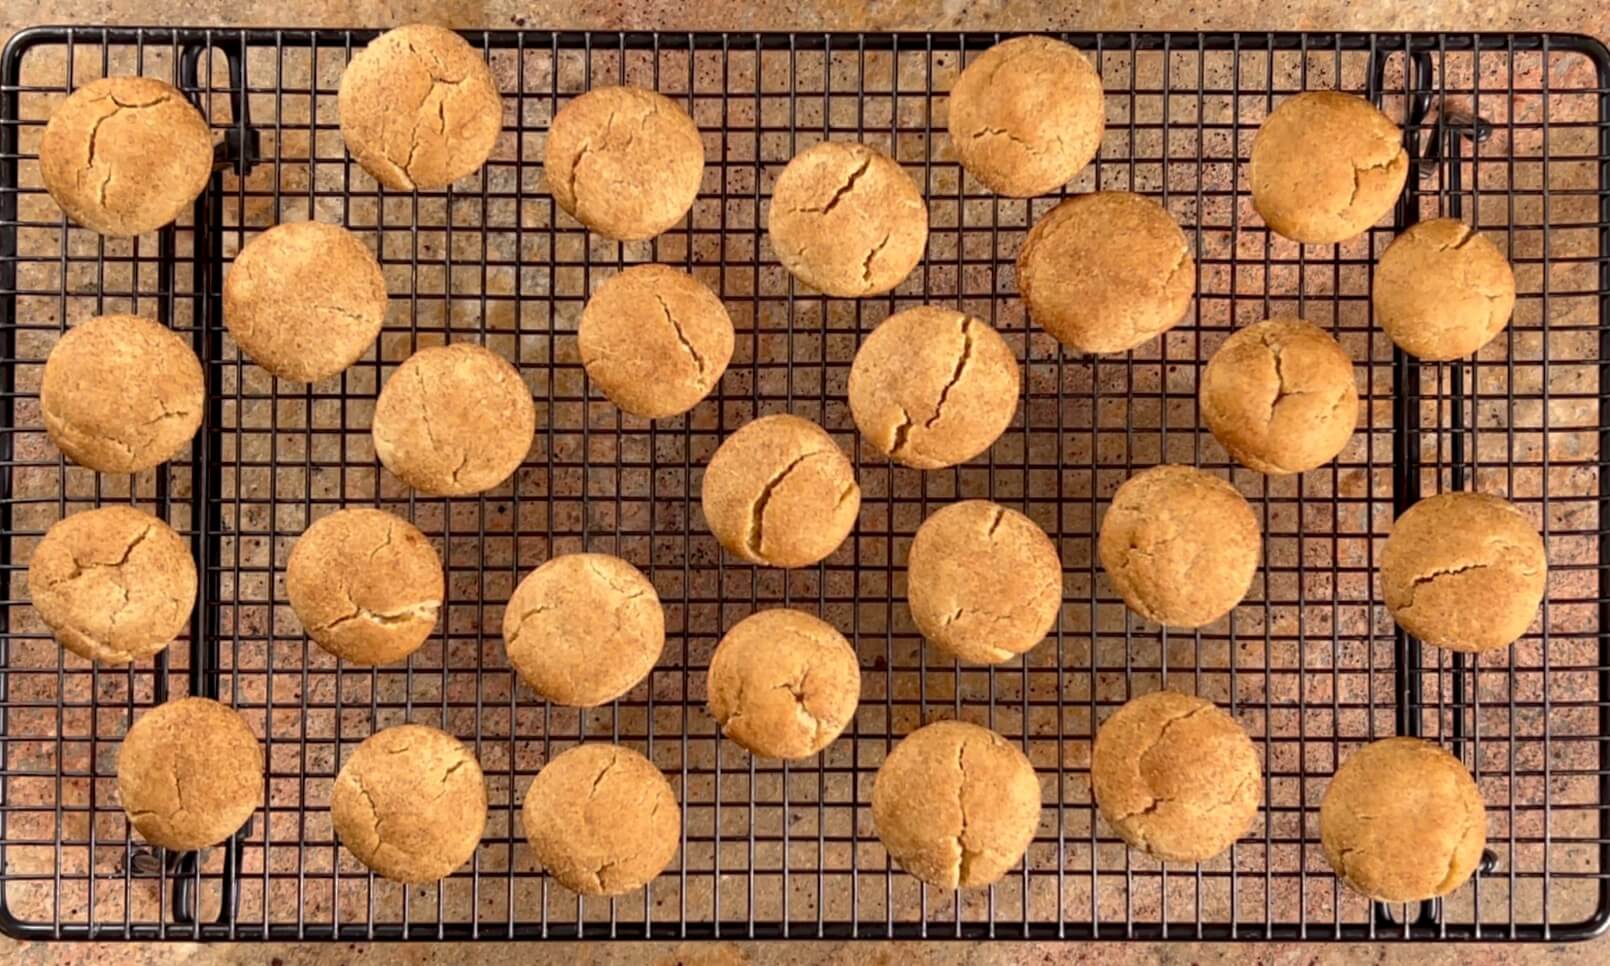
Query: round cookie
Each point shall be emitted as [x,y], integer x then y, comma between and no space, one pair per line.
[1181,546]
[846,220]
[780,492]
[1104,272]
[584,629]
[783,684]
[984,581]
[1443,290]
[454,420]
[1027,115]
[1280,396]
[1325,166]
[114,584]
[410,803]
[1176,776]
[624,161]
[189,774]
[121,394]
[932,387]
[602,819]
[1464,571]
[305,300]
[1402,821]
[419,108]
[125,155]
[655,340]
[366,585]
[955,804]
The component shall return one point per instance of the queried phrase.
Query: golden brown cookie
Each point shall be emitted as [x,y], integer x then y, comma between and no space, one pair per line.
[1104,272]
[1325,166]
[933,387]
[1465,571]
[121,394]
[655,340]
[1027,115]
[410,803]
[780,492]
[584,629]
[602,820]
[1443,290]
[1402,821]
[454,420]
[984,581]
[366,585]
[783,684]
[125,155]
[847,220]
[955,804]
[189,774]
[1181,546]
[1280,396]
[114,584]
[624,161]
[419,108]
[305,300]
[1176,776]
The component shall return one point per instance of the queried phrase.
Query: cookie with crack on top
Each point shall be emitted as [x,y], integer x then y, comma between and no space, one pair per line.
[366,584]
[125,155]
[114,584]
[419,108]
[1175,776]
[189,774]
[1443,290]
[956,805]
[624,161]
[1464,571]
[410,803]
[1325,166]
[783,683]
[121,394]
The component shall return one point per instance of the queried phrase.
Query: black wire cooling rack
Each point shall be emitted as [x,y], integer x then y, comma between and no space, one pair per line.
[1511,132]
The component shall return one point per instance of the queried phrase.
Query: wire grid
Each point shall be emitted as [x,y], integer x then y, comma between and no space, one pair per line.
[1310,663]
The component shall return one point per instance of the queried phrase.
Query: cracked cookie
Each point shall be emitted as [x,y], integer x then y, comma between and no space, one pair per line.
[1325,166]
[1175,776]
[410,803]
[847,220]
[121,394]
[780,492]
[1443,290]
[655,340]
[125,155]
[1280,396]
[1104,272]
[602,819]
[454,420]
[1464,571]
[114,584]
[984,582]
[1180,546]
[1027,115]
[584,629]
[933,387]
[366,585]
[419,108]
[305,300]
[189,774]
[624,161]
[1402,821]
[783,684]
[955,804]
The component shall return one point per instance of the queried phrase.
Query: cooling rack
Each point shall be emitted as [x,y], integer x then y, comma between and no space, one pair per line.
[1510,132]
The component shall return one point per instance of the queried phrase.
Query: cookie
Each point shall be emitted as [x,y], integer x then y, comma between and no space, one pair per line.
[783,684]
[1443,290]
[189,774]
